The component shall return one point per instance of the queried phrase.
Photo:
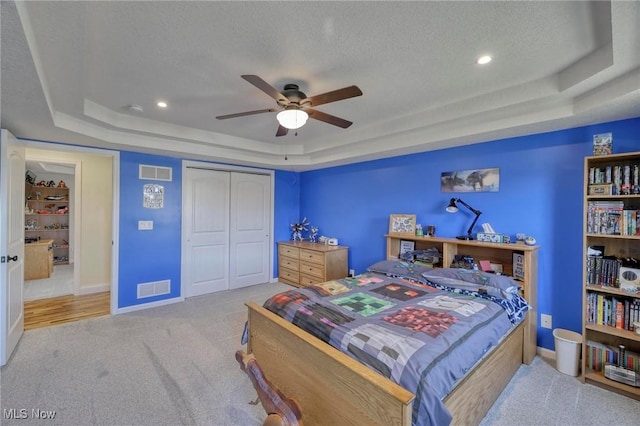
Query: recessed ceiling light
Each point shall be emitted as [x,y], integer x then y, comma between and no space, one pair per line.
[162,104]
[482,60]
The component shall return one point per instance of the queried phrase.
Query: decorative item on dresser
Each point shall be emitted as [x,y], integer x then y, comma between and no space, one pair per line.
[302,263]
[611,251]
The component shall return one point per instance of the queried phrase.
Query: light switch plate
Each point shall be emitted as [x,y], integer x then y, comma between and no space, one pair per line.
[145,225]
[545,321]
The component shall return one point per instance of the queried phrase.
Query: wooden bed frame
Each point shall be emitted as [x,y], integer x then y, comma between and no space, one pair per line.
[331,388]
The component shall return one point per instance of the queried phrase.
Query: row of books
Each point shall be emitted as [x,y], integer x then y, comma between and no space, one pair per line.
[625,179]
[612,311]
[598,355]
[603,270]
[611,218]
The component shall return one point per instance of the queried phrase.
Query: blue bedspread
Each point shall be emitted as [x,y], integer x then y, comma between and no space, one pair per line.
[422,337]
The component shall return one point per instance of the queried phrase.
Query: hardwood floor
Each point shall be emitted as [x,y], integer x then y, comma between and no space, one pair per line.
[59,310]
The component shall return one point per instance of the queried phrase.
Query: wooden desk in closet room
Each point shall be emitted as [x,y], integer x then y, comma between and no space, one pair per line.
[38,260]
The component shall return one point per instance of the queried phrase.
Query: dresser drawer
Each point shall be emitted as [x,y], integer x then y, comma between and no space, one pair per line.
[312,256]
[288,275]
[311,269]
[307,280]
[289,263]
[293,252]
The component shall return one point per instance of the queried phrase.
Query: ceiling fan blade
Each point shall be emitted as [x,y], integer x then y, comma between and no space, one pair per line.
[328,118]
[336,95]
[242,114]
[266,88]
[282,131]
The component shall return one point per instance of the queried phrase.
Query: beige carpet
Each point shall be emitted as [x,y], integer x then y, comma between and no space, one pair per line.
[174,365]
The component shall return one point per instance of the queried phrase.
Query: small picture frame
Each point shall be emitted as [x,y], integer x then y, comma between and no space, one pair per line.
[402,224]
[407,246]
[602,144]
[518,266]
[153,196]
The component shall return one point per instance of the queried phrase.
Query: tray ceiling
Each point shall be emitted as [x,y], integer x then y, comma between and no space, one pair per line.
[70,70]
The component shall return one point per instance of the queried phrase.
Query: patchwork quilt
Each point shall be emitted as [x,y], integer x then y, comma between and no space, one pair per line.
[422,335]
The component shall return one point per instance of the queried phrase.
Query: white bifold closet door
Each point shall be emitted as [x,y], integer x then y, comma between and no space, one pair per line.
[227,222]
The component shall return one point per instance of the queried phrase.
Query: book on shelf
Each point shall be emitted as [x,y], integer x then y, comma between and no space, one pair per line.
[599,354]
[612,311]
[611,218]
[617,179]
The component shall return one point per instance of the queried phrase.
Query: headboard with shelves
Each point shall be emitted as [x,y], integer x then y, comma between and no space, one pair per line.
[500,253]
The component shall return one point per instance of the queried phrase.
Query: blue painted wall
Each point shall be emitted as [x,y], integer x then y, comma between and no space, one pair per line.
[541,178]
[540,195]
[286,206]
[147,256]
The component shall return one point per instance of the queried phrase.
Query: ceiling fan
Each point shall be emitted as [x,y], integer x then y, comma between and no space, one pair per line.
[294,107]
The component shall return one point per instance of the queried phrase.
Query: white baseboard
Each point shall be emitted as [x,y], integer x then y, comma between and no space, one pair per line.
[546,353]
[96,288]
[147,305]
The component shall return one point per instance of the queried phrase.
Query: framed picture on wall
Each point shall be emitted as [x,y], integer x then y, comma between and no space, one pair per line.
[402,223]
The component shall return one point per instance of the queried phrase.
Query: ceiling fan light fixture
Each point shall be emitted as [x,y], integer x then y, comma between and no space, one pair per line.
[292,118]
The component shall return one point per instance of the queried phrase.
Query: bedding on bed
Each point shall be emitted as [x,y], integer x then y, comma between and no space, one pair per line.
[421,334]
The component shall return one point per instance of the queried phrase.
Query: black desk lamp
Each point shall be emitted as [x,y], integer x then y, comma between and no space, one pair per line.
[452,208]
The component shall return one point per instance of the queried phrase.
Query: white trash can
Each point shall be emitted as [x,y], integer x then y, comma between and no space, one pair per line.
[568,348]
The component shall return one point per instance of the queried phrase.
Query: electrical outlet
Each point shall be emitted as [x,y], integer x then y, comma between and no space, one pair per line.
[545,321]
[352,272]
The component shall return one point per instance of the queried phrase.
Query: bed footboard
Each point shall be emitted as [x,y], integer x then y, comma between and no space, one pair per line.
[330,387]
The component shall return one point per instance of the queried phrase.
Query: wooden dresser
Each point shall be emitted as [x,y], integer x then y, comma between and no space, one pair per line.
[301,263]
[38,260]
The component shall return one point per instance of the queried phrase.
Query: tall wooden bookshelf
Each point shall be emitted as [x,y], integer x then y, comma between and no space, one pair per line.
[611,221]
[498,253]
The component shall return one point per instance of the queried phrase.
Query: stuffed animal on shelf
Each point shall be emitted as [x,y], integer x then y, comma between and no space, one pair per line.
[62,184]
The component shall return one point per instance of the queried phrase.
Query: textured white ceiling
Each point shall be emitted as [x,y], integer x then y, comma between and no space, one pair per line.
[69,69]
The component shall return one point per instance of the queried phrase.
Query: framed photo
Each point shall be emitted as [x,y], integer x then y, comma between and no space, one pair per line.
[478,180]
[402,223]
[153,196]
[602,144]
[518,266]
[406,246]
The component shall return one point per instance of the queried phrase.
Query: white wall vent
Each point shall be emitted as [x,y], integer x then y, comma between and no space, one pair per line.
[155,172]
[155,288]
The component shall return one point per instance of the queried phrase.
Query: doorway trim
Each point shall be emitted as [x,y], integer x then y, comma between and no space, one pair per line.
[115,206]
[186,164]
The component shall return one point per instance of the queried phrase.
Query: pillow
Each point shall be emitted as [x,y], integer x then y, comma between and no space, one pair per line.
[454,283]
[501,282]
[400,269]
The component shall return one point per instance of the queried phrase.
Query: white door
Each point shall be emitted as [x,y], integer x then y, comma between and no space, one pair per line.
[11,244]
[249,238]
[206,229]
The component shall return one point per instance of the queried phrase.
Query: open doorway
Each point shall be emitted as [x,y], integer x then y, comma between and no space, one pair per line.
[49,225]
[78,215]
